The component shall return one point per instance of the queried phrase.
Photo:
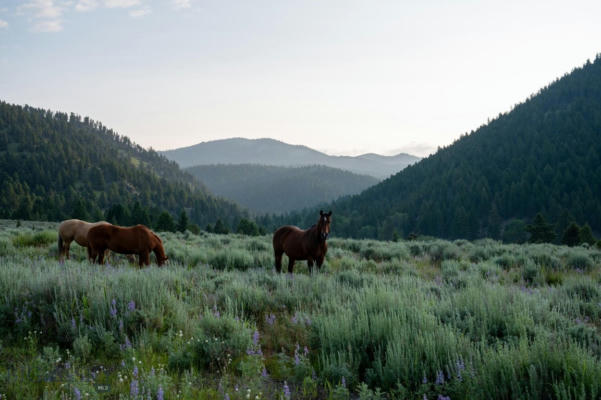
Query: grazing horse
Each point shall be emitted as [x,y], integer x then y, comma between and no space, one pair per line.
[74,229]
[301,244]
[136,239]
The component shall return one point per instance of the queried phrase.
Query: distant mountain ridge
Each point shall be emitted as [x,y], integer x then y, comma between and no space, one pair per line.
[275,190]
[276,153]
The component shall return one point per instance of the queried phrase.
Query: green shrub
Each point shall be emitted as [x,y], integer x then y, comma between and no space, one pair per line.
[579,260]
[37,239]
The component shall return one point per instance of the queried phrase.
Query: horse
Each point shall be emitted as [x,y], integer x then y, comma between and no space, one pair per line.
[136,239]
[74,229]
[298,244]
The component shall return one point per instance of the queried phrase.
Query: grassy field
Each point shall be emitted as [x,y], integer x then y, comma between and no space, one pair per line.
[421,319]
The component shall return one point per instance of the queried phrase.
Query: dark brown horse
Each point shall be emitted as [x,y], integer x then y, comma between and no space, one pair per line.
[301,244]
[131,240]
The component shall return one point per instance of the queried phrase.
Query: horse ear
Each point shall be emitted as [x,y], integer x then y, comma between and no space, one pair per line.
[330,213]
[321,212]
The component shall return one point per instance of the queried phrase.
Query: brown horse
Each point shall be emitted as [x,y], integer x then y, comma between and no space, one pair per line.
[301,244]
[74,229]
[131,240]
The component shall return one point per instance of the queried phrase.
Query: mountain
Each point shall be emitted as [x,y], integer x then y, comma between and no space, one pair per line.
[276,153]
[542,156]
[269,189]
[55,166]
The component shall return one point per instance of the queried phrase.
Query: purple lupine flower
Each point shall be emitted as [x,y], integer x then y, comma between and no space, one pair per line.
[127,343]
[135,372]
[286,390]
[306,351]
[134,389]
[256,338]
[152,371]
[425,397]
[160,393]
[113,309]
[264,373]
[343,382]
[296,358]
[439,378]
[77,393]
[250,351]
[73,324]
[120,325]
[131,306]
[67,365]
[270,319]
[308,321]
[294,319]
[441,397]
[216,311]
[226,397]
[425,380]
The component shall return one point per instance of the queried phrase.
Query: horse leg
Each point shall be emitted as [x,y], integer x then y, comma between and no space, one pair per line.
[310,265]
[278,261]
[66,245]
[320,262]
[101,256]
[290,264]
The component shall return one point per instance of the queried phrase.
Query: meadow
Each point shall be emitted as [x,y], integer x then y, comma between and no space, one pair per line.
[422,319]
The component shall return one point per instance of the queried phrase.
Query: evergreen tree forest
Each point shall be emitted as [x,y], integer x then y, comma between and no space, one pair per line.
[55,166]
[544,156]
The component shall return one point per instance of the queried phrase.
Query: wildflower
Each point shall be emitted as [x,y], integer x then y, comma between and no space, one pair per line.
[133,388]
[439,378]
[113,308]
[135,373]
[425,397]
[120,325]
[294,318]
[441,397]
[127,343]
[256,338]
[306,351]
[77,393]
[343,382]
[425,380]
[226,397]
[264,373]
[286,391]
[160,393]
[73,324]
[216,311]
[131,306]
[270,319]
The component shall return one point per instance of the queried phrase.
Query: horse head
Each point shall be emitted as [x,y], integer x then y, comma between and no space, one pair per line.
[159,250]
[323,226]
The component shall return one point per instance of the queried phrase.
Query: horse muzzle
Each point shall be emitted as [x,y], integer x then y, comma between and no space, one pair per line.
[324,236]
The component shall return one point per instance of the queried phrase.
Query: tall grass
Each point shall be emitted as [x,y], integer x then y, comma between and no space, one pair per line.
[431,318]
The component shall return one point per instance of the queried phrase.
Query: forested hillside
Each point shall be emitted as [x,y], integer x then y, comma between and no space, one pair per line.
[269,189]
[542,156]
[55,166]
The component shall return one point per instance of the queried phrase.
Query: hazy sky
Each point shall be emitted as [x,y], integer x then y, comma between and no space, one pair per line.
[341,76]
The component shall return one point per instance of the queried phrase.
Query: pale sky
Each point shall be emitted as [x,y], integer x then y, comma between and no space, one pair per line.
[345,76]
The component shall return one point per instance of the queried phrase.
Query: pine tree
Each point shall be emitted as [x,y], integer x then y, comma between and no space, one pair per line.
[165,222]
[540,231]
[182,223]
[586,235]
[571,236]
